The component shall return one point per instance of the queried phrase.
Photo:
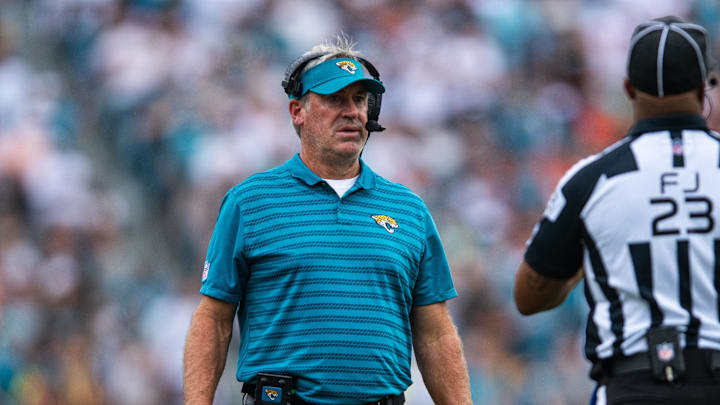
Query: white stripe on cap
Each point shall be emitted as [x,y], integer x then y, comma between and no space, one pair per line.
[660,57]
[634,40]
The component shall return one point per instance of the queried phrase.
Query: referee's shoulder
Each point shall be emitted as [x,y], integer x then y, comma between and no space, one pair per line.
[615,159]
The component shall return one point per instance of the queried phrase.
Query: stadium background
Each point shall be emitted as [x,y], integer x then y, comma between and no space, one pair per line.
[122,123]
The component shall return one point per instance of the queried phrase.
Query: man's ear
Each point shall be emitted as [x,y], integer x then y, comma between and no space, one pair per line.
[629,89]
[701,94]
[297,112]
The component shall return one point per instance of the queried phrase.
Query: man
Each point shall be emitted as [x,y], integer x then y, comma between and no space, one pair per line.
[640,221]
[334,273]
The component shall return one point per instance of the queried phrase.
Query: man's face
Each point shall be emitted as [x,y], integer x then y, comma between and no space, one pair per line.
[333,125]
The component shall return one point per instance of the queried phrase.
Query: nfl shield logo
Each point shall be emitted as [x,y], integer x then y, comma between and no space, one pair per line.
[677,147]
[665,351]
[206,269]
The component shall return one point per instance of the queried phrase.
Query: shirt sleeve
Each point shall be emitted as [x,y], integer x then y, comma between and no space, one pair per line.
[434,282]
[226,272]
[555,248]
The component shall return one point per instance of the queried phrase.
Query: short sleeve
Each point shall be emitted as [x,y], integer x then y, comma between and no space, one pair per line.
[226,272]
[555,248]
[434,282]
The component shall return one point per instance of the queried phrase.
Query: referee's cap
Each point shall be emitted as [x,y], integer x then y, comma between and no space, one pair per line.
[669,56]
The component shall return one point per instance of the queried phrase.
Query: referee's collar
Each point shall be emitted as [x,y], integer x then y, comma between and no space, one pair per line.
[299,170]
[668,122]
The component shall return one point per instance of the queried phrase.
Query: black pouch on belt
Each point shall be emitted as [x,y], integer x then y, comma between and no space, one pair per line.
[715,364]
[274,389]
[666,357]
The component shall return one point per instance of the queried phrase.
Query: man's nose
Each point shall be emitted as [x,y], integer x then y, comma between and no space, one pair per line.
[351,108]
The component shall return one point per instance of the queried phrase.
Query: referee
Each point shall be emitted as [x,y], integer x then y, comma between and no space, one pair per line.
[640,222]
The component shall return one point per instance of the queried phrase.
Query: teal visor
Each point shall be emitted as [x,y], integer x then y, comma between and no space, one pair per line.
[335,74]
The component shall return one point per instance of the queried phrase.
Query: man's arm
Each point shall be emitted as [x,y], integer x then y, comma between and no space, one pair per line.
[206,349]
[536,293]
[439,355]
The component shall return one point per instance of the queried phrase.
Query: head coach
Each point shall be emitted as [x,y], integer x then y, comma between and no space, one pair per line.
[640,223]
[334,273]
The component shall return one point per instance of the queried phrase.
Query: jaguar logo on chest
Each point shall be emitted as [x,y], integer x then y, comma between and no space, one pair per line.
[386,222]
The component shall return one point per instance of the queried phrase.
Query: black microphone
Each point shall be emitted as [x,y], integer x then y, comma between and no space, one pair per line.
[374,126]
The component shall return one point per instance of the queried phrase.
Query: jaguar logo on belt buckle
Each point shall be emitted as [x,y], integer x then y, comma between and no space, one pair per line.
[272,389]
[271,394]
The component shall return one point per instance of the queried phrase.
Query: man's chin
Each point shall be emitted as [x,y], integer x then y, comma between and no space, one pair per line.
[348,151]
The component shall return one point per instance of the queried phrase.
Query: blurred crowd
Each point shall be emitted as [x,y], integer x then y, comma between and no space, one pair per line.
[123,122]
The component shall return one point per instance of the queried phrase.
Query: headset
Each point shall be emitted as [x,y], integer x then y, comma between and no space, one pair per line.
[293,86]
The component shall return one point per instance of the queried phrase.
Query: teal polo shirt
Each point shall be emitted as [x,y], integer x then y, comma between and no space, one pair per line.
[325,285]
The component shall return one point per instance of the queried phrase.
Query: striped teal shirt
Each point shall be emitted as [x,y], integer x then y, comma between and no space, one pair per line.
[325,285]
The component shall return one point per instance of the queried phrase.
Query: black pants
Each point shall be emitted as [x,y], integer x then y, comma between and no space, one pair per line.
[700,386]
[641,388]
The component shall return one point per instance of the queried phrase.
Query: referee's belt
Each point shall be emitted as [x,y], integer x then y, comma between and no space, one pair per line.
[702,365]
[388,400]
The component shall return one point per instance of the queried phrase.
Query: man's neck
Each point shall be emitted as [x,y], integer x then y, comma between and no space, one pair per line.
[641,114]
[650,107]
[336,169]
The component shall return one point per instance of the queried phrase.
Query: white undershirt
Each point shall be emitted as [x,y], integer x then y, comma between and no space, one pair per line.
[342,185]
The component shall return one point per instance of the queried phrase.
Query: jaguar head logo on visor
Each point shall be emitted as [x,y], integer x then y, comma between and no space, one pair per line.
[347,66]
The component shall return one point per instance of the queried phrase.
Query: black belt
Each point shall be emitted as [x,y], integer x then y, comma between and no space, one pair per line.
[701,364]
[388,400]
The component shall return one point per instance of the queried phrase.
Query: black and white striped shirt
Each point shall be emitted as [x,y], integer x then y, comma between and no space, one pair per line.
[642,219]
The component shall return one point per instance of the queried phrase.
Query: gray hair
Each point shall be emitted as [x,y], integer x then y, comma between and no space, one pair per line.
[342,47]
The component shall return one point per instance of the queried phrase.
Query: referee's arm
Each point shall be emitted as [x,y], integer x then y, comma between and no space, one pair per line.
[535,293]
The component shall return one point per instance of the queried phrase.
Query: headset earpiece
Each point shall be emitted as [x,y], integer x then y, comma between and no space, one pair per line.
[291,83]
[372,124]
[374,101]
